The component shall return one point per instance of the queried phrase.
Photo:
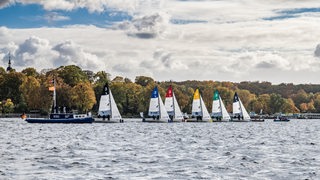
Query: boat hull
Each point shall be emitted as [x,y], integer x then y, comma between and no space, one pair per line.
[198,120]
[236,120]
[151,120]
[258,120]
[70,120]
[281,120]
[100,120]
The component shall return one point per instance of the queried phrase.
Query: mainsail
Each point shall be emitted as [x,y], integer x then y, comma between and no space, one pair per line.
[198,107]
[218,108]
[238,109]
[108,106]
[156,107]
[196,104]
[172,105]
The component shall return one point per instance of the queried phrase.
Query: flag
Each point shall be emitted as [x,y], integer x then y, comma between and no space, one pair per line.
[51,88]
[106,89]
[216,95]
[169,92]
[196,94]
[155,93]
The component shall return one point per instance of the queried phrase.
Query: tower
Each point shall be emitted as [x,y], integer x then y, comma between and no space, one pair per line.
[9,64]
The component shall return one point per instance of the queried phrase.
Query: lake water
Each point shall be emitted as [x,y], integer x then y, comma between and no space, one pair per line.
[135,150]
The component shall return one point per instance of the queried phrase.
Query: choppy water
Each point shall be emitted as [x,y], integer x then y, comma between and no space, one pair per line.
[135,150]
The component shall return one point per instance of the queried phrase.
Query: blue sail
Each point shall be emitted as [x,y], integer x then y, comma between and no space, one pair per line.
[155,93]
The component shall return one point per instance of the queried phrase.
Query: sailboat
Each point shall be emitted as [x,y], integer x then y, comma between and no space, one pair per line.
[240,114]
[219,111]
[108,110]
[57,117]
[199,110]
[172,106]
[157,109]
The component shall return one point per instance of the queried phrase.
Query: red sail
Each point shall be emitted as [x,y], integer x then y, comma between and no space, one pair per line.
[169,92]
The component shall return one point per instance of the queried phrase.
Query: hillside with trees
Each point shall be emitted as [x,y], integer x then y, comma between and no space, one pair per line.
[77,89]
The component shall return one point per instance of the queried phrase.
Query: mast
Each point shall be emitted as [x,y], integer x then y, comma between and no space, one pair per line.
[220,106]
[200,104]
[159,105]
[54,97]
[110,101]
[174,109]
[241,111]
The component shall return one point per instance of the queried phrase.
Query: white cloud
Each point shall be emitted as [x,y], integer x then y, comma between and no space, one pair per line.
[70,53]
[145,27]
[234,43]
[5,3]
[317,51]
[54,16]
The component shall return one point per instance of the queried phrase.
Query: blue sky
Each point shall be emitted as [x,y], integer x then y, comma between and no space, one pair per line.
[34,16]
[225,40]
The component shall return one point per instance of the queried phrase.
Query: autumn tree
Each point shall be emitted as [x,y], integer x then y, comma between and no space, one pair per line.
[72,75]
[288,106]
[30,72]
[8,106]
[83,96]
[143,80]
[30,89]
[276,102]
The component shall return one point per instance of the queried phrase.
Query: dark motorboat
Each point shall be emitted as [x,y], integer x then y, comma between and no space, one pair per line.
[281,119]
[61,117]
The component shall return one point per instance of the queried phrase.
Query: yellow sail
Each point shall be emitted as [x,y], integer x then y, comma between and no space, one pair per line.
[196,94]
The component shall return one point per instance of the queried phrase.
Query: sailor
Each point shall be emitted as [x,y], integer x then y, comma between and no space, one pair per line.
[23,116]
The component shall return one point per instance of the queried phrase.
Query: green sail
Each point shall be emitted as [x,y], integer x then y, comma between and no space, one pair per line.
[216,95]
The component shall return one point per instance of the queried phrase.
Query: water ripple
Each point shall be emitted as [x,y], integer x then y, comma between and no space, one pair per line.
[135,150]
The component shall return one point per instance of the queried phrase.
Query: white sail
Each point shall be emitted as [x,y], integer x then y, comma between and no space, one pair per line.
[216,108]
[163,112]
[205,113]
[245,114]
[154,107]
[177,111]
[169,105]
[236,108]
[104,106]
[239,110]
[224,112]
[196,107]
[115,114]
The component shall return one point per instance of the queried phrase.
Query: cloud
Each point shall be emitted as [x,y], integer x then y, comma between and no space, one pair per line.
[180,40]
[54,16]
[34,50]
[145,27]
[40,53]
[5,3]
[317,51]
[5,35]
[71,53]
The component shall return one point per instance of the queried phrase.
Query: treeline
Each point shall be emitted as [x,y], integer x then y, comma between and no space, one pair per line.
[28,91]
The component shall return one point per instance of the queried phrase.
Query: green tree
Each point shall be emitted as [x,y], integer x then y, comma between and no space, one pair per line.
[276,102]
[8,106]
[10,86]
[289,107]
[30,89]
[30,72]
[143,80]
[72,75]
[83,96]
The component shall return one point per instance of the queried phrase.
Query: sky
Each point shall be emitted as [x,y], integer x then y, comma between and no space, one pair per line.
[221,40]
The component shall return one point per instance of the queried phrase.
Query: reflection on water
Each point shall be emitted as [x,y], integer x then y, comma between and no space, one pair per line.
[261,150]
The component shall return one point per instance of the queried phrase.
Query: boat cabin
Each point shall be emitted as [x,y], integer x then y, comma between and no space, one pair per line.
[61,116]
